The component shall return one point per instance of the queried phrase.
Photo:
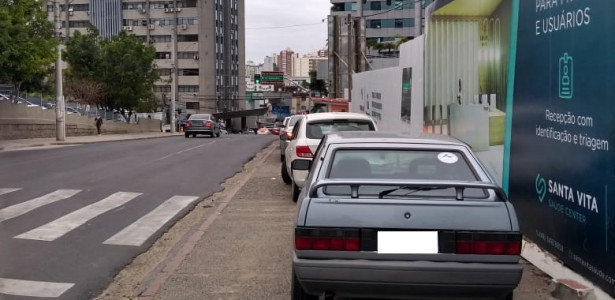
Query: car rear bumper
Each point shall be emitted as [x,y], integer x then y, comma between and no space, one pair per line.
[299,176]
[416,279]
[199,130]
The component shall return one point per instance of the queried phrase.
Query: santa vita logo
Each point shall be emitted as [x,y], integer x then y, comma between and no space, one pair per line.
[541,187]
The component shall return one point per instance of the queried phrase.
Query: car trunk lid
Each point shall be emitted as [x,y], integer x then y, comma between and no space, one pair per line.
[408,214]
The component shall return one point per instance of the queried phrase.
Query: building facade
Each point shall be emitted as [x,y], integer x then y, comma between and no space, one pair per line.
[363,37]
[209,46]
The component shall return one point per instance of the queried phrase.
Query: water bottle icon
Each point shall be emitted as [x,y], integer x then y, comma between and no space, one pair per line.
[566,76]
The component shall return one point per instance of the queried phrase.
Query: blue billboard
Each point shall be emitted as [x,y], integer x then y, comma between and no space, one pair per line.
[561,171]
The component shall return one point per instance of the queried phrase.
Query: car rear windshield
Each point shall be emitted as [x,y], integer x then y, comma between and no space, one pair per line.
[292,121]
[199,117]
[318,129]
[402,165]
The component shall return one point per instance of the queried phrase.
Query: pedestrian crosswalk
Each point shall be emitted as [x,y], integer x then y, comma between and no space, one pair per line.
[32,288]
[147,221]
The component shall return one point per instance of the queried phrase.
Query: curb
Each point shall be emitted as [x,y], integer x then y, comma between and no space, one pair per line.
[69,143]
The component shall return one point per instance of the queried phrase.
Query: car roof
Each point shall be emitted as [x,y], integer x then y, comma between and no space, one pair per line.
[336,115]
[198,116]
[392,137]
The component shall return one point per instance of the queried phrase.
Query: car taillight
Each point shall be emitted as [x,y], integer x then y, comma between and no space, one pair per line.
[488,243]
[208,124]
[289,135]
[327,239]
[187,124]
[303,151]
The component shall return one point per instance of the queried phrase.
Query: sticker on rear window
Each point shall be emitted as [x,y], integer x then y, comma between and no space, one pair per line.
[447,157]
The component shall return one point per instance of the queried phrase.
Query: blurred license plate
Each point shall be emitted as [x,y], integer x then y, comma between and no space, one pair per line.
[407,242]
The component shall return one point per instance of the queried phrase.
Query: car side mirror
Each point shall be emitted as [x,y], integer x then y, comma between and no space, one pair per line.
[301,164]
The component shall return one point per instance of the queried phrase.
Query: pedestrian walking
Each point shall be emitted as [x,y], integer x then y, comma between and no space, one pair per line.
[99,121]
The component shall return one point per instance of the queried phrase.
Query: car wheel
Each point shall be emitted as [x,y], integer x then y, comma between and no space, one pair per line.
[194,135]
[297,292]
[295,190]
[285,177]
[509,296]
[187,135]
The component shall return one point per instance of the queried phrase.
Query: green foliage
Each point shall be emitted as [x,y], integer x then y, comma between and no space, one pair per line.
[123,67]
[82,53]
[127,72]
[27,42]
[317,85]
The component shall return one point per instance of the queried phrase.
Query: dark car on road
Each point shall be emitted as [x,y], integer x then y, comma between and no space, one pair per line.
[201,124]
[385,215]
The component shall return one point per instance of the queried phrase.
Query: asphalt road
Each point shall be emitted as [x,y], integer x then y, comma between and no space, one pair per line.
[71,218]
[240,249]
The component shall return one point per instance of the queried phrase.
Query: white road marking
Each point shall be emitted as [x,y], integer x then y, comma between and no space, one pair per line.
[138,232]
[27,288]
[25,207]
[185,150]
[59,227]
[7,190]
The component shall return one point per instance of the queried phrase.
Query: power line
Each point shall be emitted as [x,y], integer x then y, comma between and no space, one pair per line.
[286,26]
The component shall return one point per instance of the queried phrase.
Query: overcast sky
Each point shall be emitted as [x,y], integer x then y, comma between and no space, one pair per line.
[274,25]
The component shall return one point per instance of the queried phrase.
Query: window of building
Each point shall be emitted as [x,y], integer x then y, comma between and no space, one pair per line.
[193,105]
[188,72]
[163,55]
[162,88]
[375,5]
[188,55]
[188,88]
[399,23]
[188,38]
[79,24]
[160,38]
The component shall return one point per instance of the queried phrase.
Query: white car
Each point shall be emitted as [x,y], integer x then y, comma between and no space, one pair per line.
[287,132]
[306,135]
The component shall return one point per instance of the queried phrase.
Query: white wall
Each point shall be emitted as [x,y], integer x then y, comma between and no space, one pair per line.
[378,93]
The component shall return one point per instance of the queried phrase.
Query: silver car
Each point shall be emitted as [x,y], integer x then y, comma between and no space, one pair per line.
[386,215]
[201,124]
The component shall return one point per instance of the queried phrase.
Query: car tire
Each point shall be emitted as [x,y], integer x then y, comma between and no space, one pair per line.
[297,292]
[509,296]
[285,177]
[187,135]
[296,190]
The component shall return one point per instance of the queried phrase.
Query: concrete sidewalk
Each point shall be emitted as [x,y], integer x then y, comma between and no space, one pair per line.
[8,145]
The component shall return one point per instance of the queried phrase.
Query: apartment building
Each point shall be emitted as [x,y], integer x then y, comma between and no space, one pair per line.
[210,44]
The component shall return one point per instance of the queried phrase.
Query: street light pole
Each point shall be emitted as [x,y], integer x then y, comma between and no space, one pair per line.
[60,112]
[174,76]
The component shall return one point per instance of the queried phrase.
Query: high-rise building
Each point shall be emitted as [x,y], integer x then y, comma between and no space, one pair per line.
[210,44]
[285,61]
[364,36]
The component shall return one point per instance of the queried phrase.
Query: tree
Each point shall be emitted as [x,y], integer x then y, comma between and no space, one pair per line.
[127,72]
[82,53]
[84,90]
[27,42]
[316,84]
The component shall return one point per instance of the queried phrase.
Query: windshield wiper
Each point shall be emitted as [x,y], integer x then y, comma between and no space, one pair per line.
[412,189]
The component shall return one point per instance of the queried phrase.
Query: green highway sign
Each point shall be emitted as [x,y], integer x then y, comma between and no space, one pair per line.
[272,77]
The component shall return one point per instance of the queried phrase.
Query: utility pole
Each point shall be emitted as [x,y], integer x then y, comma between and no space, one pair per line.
[174,68]
[60,111]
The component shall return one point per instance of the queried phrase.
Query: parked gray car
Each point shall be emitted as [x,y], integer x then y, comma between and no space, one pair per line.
[385,215]
[201,124]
